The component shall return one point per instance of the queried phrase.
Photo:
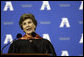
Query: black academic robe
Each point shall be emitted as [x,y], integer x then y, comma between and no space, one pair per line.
[32,46]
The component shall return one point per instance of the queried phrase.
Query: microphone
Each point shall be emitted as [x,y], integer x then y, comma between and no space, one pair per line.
[33,34]
[19,35]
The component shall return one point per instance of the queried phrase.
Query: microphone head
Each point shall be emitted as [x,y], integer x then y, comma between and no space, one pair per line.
[19,35]
[33,34]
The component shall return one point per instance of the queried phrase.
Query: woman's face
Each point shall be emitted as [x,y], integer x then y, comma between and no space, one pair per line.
[28,26]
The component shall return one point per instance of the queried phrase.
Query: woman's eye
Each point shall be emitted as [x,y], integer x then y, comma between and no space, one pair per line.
[24,23]
[29,22]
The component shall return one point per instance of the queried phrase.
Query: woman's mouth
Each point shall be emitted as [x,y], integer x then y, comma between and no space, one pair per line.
[29,29]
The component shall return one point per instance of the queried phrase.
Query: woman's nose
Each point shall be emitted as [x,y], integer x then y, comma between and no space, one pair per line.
[28,25]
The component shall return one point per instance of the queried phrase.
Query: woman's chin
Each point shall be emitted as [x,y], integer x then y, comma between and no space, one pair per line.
[29,32]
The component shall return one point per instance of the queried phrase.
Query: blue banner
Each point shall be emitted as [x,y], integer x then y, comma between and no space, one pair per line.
[61,22]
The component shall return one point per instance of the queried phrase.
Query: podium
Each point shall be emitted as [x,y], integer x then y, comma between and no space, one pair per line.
[36,47]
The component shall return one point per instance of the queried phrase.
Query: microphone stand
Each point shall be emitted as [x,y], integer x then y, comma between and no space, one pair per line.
[18,36]
[5,46]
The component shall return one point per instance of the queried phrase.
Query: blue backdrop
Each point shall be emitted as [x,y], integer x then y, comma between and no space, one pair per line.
[61,22]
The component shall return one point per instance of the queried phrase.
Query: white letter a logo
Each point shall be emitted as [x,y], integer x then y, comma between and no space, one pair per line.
[64,22]
[45,5]
[8,5]
[81,6]
[81,40]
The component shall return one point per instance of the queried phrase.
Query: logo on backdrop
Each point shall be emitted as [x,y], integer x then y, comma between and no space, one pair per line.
[8,38]
[46,36]
[81,6]
[64,22]
[8,5]
[65,53]
[81,40]
[45,5]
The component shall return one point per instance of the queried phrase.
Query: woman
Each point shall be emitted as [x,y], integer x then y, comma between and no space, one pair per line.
[28,24]
[30,42]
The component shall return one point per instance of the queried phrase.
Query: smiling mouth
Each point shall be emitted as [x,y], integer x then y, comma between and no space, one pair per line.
[29,29]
